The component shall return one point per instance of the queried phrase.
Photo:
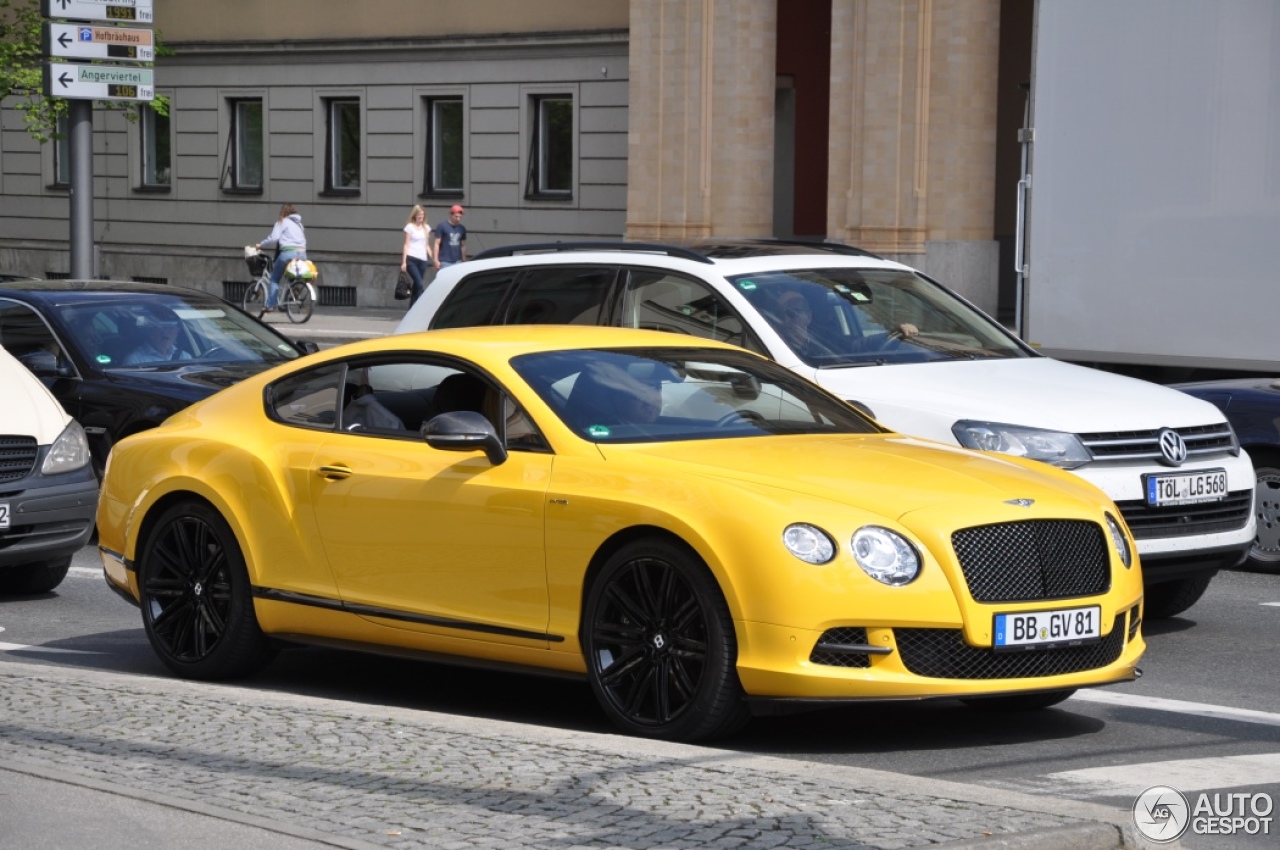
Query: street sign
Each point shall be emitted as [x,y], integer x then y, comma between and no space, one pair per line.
[98,82]
[118,11]
[83,41]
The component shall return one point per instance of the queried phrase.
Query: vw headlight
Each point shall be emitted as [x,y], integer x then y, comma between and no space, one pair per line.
[1053,447]
[809,543]
[1119,541]
[69,452]
[885,555]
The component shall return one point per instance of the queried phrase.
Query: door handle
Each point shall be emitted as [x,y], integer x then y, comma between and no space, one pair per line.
[334,472]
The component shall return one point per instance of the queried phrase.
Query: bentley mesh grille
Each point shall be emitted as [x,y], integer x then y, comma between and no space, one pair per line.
[1032,560]
[17,457]
[1147,522]
[828,650]
[944,654]
[1201,440]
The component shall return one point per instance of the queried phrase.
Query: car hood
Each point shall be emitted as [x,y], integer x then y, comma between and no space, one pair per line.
[927,399]
[191,381]
[888,474]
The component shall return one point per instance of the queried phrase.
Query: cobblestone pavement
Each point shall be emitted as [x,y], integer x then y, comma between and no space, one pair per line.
[362,776]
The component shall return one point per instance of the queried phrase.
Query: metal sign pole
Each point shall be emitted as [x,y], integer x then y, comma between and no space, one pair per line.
[81,149]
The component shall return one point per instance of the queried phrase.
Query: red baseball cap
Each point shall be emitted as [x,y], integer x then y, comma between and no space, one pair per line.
[456,208]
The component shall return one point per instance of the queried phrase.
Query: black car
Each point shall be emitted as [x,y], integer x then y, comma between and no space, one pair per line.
[123,357]
[1252,406]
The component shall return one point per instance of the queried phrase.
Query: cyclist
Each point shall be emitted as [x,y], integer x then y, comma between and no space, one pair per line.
[290,241]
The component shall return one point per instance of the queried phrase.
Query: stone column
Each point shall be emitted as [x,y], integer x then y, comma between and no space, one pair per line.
[700,117]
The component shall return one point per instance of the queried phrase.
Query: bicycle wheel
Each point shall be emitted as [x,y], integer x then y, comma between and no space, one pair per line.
[297,302]
[255,299]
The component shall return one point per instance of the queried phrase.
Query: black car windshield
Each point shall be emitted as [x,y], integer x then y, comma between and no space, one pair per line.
[665,394]
[850,317]
[125,332]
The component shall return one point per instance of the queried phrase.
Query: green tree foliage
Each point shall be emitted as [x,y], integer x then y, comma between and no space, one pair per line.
[22,64]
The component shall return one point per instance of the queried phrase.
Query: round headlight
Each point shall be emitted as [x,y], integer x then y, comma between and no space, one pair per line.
[809,543]
[1119,541]
[885,555]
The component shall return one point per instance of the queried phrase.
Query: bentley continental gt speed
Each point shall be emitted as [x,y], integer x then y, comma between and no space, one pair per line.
[699,532]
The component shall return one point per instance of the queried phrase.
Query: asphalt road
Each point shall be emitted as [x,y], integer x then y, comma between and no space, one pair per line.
[1204,718]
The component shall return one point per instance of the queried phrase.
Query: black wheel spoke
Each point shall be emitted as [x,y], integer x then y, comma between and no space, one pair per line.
[188,583]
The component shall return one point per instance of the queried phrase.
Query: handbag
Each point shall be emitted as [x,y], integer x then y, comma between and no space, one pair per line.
[404,285]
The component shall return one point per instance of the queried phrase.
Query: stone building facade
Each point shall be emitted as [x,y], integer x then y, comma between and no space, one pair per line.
[871,122]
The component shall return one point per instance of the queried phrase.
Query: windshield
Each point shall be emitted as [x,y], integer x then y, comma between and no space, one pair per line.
[168,329]
[849,317]
[663,394]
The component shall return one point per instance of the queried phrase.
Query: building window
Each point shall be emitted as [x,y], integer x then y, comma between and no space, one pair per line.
[551,147]
[444,147]
[242,166]
[62,152]
[155,147]
[342,146]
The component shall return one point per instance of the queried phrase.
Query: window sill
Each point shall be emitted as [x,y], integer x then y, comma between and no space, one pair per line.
[561,198]
[154,190]
[238,190]
[441,196]
[340,193]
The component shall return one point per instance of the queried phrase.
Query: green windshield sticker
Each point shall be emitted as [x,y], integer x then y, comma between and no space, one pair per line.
[747,285]
[103,358]
[600,431]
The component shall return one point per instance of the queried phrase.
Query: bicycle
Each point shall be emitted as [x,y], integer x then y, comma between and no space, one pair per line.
[297,296]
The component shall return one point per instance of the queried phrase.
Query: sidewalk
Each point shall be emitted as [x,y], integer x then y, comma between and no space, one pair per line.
[337,325]
[360,776]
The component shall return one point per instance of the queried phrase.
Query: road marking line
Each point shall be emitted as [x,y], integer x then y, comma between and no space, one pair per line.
[1123,780]
[21,647]
[1270,604]
[88,572]
[1219,712]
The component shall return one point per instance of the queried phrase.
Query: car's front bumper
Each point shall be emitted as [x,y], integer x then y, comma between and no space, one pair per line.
[914,663]
[47,521]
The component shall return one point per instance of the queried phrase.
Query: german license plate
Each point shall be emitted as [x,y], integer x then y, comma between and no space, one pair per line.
[1187,488]
[4,514]
[1046,629]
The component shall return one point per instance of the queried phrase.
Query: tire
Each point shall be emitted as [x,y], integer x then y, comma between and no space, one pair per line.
[39,577]
[300,304]
[660,646]
[197,608]
[255,299]
[1019,702]
[1265,553]
[1171,598]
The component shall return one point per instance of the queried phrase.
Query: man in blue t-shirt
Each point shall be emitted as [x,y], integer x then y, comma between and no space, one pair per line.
[451,239]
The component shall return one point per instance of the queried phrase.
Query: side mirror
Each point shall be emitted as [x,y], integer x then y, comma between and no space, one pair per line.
[306,346]
[44,364]
[464,431]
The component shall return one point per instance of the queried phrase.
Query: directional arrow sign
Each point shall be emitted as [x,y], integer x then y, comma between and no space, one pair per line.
[83,41]
[120,11]
[98,82]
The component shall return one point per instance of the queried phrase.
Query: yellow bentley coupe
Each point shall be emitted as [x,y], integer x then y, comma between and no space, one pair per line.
[699,532]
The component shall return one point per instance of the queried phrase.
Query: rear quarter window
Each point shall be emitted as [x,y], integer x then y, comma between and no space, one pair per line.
[474,301]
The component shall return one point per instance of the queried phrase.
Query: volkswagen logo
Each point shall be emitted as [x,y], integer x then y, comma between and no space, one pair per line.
[1173,451]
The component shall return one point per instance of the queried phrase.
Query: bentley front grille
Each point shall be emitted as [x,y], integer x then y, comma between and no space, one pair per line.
[1033,560]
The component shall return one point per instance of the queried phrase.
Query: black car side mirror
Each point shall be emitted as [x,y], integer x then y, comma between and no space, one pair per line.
[306,346]
[465,431]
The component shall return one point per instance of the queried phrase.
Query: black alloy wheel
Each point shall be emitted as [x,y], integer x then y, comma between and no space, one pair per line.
[197,608]
[660,645]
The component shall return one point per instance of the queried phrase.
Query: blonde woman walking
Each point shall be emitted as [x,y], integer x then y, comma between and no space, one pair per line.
[416,253]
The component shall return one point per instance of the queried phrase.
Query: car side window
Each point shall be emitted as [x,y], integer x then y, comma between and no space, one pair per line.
[474,301]
[659,300]
[307,399]
[26,336]
[561,295]
[394,397]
